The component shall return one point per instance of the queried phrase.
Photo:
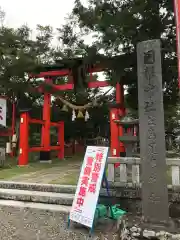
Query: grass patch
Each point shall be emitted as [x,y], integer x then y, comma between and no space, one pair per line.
[13,171]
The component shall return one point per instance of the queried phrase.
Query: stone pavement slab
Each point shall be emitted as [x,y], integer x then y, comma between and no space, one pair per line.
[38,187]
[36,196]
[36,221]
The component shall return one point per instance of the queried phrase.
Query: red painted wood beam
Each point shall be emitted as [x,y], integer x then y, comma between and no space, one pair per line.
[121,112]
[53,124]
[70,86]
[114,133]
[45,133]
[23,139]
[41,149]
[13,124]
[63,72]
[55,147]
[36,121]
[36,149]
[7,133]
[61,140]
[96,84]
[64,87]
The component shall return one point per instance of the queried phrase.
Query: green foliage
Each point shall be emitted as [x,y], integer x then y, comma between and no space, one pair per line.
[115,27]
[19,55]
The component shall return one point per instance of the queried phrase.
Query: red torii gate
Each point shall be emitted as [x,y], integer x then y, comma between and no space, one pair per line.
[116,131]
[24,148]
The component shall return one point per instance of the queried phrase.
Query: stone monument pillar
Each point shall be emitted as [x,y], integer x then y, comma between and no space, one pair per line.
[152,133]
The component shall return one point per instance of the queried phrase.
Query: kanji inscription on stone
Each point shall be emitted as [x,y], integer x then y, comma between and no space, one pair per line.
[152,132]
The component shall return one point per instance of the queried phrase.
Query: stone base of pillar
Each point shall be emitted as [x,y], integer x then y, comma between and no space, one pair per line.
[133,228]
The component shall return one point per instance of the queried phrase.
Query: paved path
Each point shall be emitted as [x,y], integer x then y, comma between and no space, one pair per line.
[49,175]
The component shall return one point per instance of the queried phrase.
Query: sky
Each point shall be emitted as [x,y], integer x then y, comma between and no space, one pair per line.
[35,12]
[43,12]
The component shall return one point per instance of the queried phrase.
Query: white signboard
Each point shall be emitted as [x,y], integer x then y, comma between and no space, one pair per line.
[3,109]
[89,184]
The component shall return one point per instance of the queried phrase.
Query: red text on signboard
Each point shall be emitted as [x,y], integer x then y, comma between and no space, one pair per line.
[1,117]
[95,173]
[85,181]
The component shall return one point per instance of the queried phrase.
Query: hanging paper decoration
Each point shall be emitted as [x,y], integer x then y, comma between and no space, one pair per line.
[64,108]
[73,115]
[80,115]
[14,140]
[86,115]
[8,147]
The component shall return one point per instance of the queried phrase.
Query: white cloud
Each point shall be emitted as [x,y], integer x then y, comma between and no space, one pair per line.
[35,12]
[43,12]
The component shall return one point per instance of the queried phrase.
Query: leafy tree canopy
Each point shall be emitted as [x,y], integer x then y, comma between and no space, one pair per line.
[115,28]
